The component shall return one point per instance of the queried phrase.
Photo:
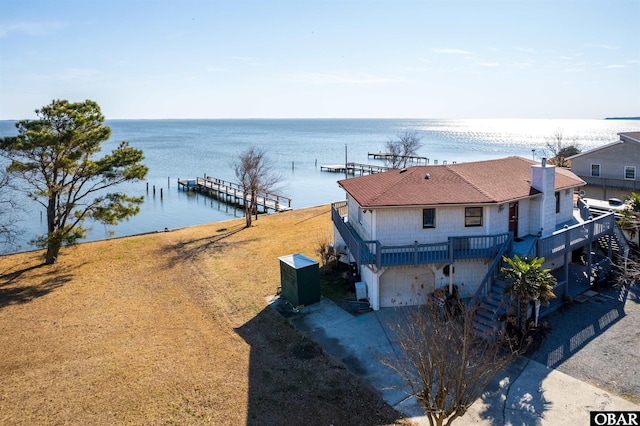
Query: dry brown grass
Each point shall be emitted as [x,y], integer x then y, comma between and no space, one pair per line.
[170,328]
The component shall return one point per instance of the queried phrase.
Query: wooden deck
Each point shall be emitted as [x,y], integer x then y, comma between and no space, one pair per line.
[353,168]
[411,159]
[387,156]
[232,193]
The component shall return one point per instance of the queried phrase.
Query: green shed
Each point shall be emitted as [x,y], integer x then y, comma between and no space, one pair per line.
[299,279]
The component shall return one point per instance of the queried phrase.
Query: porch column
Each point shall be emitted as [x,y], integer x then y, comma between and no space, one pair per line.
[373,286]
[567,259]
[451,278]
[589,263]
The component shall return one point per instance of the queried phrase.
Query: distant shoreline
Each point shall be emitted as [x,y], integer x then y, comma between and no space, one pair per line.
[622,118]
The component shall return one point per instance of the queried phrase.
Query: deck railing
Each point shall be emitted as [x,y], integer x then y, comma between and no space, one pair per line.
[372,252]
[585,211]
[495,268]
[575,236]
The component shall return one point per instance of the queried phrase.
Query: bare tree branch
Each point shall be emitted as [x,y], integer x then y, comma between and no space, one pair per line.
[400,148]
[557,150]
[442,359]
[256,176]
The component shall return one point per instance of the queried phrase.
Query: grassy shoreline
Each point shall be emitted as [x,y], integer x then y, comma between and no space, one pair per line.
[171,328]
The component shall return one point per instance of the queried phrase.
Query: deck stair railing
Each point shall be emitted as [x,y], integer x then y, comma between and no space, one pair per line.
[621,240]
[489,296]
[494,270]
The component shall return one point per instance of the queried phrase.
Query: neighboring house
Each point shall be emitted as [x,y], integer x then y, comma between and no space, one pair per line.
[614,165]
[414,230]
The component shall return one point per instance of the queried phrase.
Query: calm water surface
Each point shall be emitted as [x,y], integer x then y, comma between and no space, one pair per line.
[297,148]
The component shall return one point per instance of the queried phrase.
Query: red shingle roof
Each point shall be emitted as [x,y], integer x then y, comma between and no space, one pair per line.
[491,181]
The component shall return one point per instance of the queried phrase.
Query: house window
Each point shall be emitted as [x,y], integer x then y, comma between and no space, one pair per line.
[448,270]
[473,216]
[557,202]
[595,170]
[429,218]
[630,172]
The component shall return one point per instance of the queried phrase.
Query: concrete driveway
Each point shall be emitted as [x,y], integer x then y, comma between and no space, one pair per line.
[528,392]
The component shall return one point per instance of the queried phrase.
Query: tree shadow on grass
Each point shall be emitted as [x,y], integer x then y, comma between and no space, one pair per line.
[293,381]
[13,291]
[209,244]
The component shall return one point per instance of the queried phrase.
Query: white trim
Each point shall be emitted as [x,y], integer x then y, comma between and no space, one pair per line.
[627,138]
[434,217]
[610,144]
[624,172]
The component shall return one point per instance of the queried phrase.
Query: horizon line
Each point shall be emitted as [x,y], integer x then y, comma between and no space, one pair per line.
[348,118]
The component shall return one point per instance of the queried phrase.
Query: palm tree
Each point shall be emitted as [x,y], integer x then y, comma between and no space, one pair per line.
[629,220]
[528,282]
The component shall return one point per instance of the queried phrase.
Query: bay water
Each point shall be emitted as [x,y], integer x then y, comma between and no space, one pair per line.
[296,148]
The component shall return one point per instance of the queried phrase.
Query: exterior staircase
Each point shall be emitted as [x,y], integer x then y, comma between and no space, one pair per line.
[620,249]
[489,310]
[492,304]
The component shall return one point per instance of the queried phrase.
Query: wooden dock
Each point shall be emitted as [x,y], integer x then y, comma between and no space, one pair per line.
[353,168]
[232,193]
[387,156]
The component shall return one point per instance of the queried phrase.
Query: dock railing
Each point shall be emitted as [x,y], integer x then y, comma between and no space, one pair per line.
[235,192]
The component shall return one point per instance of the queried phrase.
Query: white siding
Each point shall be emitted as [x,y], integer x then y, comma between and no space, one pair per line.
[566,206]
[524,218]
[371,279]
[498,221]
[534,216]
[468,276]
[360,221]
[400,226]
[406,286]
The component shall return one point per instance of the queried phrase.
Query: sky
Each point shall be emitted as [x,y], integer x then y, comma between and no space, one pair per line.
[323,59]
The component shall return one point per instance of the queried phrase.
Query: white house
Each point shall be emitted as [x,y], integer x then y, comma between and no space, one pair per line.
[413,230]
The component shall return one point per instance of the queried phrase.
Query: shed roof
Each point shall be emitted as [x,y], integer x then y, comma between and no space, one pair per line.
[480,182]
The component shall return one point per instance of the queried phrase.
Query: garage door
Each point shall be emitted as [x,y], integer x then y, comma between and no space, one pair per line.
[405,286]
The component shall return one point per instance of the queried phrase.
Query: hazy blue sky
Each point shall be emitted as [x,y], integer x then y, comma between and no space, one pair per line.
[405,59]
